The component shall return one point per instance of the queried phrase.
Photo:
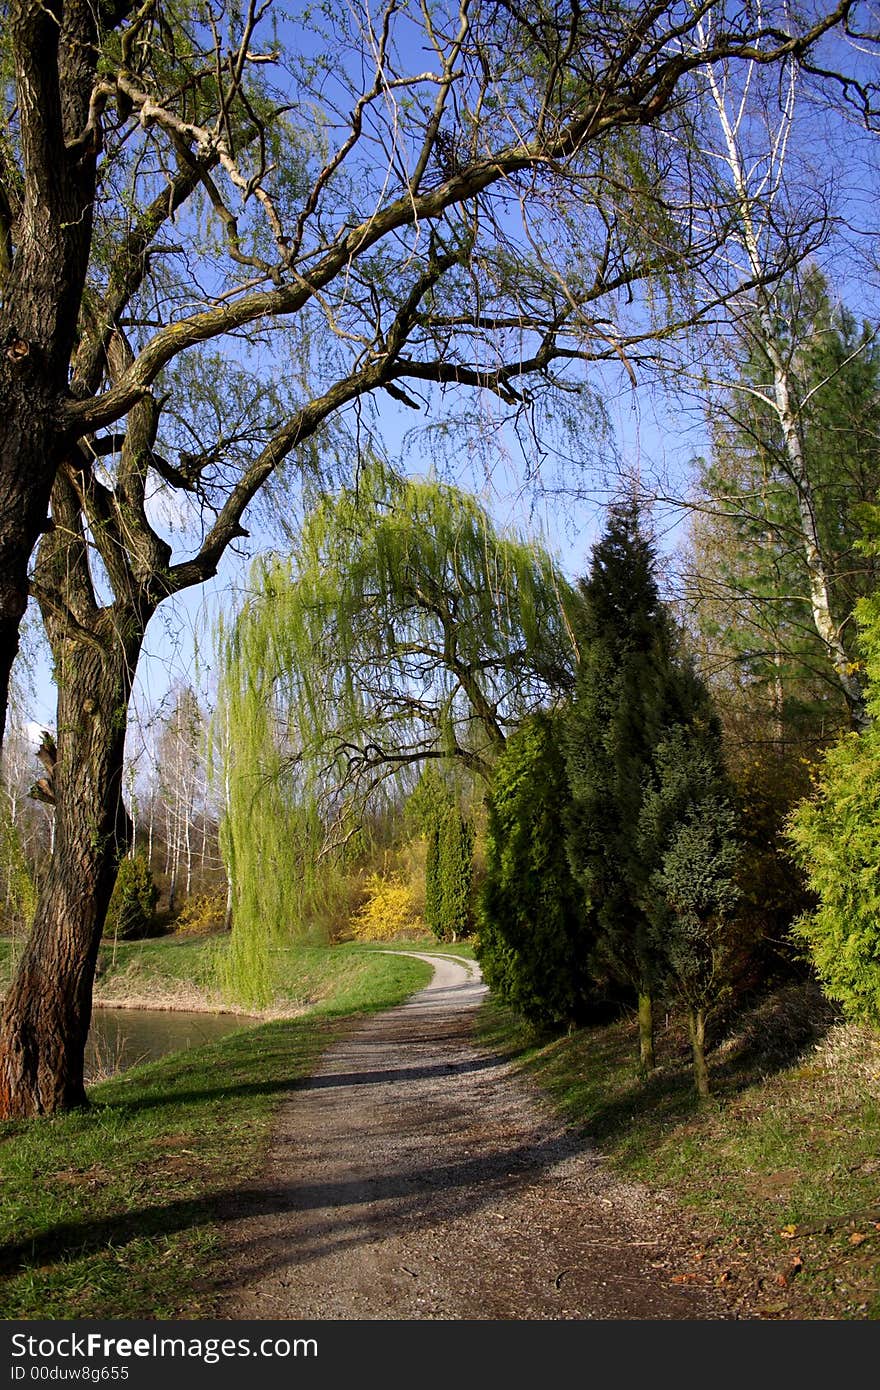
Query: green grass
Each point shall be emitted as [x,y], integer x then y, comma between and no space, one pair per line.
[790,1139]
[180,971]
[111,1212]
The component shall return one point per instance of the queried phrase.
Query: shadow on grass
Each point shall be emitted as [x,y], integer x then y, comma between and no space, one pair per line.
[593,1074]
[344,1212]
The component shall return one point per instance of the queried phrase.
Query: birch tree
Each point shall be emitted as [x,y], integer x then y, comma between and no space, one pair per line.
[771,234]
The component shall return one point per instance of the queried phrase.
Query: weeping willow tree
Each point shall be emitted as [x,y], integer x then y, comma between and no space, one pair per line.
[271,829]
[402,628]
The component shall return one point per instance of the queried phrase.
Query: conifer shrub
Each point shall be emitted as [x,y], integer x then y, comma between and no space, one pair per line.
[455,852]
[433,886]
[449,838]
[836,839]
[628,692]
[535,934]
[690,826]
[132,909]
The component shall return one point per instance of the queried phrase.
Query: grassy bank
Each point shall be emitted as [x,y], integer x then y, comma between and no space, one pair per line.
[111,1212]
[176,972]
[780,1171]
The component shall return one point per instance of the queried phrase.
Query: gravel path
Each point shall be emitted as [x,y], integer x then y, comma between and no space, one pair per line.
[413,1176]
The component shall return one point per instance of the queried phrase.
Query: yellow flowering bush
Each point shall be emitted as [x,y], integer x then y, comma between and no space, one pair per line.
[388,910]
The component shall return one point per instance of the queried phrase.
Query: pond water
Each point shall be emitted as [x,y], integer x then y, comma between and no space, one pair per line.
[121,1038]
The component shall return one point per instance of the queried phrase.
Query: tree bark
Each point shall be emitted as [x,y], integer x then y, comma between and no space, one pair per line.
[646,1032]
[697,1027]
[814,556]
[47,1012]
[55,54]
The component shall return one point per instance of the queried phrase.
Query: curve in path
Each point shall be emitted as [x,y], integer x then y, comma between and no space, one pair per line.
[413,1176]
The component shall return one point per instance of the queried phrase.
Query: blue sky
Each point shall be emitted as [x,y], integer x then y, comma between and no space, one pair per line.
[652,436]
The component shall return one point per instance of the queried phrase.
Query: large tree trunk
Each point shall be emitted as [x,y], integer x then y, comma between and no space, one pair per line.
[47,1012]
[42,272]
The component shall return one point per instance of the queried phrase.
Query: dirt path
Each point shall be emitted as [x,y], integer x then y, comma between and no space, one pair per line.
[414,1177]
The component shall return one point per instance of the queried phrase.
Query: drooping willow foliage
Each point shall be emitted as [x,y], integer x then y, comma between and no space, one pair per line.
[271,831]
[402,628]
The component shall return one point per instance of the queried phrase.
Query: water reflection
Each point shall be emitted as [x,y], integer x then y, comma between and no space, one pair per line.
[121,1038]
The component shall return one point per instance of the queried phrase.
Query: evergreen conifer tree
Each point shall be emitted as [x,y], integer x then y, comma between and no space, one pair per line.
[433,894]
[456,873]
[688,828]
[535,939]
[628,692]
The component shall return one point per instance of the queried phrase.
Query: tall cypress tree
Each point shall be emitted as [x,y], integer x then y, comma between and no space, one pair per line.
[689,827]
[456,873]
[628,691]
[535,939]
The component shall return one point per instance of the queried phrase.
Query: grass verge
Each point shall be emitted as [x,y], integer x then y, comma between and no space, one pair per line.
[176,972]
[780,1171]
[111,1212]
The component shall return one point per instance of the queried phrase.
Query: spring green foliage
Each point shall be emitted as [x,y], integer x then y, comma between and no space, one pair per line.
[131,913]
[535,935]
[835,836]
[271,832]
[402,627]
[15,869]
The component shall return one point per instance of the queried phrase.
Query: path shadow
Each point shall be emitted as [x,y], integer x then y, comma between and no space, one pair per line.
[350,1205]
[330,1080]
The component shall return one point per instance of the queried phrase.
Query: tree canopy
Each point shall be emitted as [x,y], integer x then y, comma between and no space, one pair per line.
[403,627]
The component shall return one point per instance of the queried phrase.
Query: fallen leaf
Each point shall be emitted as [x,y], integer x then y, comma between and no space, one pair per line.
[781,1281]
[857,1238]
[789,1232]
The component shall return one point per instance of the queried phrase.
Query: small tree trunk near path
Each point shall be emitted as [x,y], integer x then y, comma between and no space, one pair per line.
[47,1011]
[697,1027]
[646,1032]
